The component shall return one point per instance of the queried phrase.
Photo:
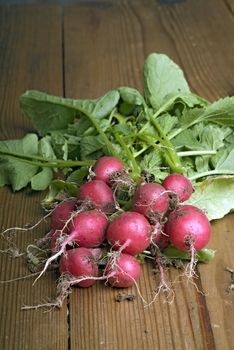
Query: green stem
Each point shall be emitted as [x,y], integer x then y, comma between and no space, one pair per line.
[171,157]
[103,135]
[47,162]
[196,153]
[212,172]
[135,168]
[142,150]
[204,255]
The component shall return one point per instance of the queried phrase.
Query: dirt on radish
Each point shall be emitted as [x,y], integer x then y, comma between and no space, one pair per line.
[106,233]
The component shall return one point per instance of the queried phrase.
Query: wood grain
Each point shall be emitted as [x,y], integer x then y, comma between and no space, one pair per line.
[130,30]
[82,52]
[30,57]
[215,281]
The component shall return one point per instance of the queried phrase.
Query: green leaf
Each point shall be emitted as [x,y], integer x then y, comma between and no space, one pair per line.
[220,112]
[91,147]
[78,176]
[162,77]
[66,146]
[45,148]
[57,188]
[41,180]
[187,139]
[151,164]
[131,96]
[167,122]
[14,172]
[49,112]
[215,195]
[213,136]
[202,163]
[105,104]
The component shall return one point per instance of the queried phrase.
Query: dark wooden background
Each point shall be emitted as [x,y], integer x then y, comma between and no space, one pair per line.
[82,49]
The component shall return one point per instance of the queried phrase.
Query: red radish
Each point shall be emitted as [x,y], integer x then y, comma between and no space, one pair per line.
[188,228]
[151,199]
[105,167]
[88,228]
[131,230]
[61,213]
[179,185]
[99,194]
[79,263]
[122,272]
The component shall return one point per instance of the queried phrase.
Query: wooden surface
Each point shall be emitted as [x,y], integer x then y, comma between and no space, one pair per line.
[82,50]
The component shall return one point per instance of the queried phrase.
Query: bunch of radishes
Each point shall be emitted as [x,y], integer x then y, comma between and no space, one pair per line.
[94,238]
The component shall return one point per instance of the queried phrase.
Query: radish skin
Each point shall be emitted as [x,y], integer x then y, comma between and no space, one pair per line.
[105,167]
[188,228]
[79,262]
[130,229]
[122,272]
[151,199]
[99,194]
[178,185]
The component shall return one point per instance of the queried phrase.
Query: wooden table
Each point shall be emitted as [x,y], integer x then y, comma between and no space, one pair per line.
[83,49]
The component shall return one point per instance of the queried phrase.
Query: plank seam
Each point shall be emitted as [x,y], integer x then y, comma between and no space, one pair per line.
[64,95]
[209,335]
[229,8]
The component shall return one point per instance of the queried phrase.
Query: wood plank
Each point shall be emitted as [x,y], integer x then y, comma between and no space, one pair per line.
[109,53]
[204,43]
[30,57]
[215,281]
[207,56]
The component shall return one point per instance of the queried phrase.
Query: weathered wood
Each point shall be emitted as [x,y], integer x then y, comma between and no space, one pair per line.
[215,282]
[110,53]
[105,44]
[30,57]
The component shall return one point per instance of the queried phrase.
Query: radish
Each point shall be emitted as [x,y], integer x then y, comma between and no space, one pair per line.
[85,228]
[105,167]
[79,263]
[151,200]
[188,228]
[99,194]
[61,213]
[88,228]
[122,271]
[179,185]
[129,232]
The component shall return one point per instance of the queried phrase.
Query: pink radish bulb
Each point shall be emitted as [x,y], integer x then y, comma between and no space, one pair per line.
[131,229]
[85,228]
[105,167]
[88,228]
[79,263]
[123,272]
[151,199]
[61,213]
[179,185]
[188,227]
[99,194]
